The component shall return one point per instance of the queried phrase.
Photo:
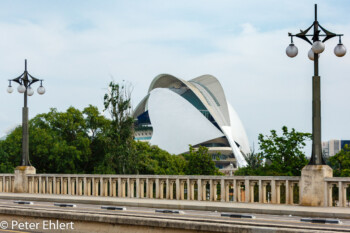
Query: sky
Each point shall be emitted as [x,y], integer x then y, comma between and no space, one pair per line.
[79,46]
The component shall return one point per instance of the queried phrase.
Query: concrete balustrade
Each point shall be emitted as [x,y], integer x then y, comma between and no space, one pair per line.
[249,189]
[202,188]
[343,186]
[7,183]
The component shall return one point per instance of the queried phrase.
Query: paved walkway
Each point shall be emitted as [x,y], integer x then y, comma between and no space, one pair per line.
[295,210]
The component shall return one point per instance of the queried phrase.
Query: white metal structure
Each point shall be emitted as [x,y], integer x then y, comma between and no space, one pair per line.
[178,113]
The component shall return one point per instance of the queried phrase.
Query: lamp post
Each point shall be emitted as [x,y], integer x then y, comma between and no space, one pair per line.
[25,82]
[317,48]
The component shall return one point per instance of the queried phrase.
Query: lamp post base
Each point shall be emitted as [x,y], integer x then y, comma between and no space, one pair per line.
[21,179]
[312,184]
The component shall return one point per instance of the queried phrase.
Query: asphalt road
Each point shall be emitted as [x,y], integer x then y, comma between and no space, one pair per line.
[187,215]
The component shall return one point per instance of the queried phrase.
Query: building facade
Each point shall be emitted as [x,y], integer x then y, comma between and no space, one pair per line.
[176,113]
[332,147]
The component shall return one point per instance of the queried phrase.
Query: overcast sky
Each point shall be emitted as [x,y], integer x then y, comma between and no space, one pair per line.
[78,47]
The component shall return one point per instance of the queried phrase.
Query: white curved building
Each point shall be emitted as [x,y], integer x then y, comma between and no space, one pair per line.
[177,113]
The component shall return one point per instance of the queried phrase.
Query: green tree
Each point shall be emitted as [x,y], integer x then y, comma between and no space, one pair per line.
[340,162]
[121,154]
[97,126]
[153,160]
[254,160]
[59,142]
[200,162]
[254,166]
[11,151]
[282,155]
[6,166]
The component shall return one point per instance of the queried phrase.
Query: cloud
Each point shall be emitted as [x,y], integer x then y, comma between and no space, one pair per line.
[243,44]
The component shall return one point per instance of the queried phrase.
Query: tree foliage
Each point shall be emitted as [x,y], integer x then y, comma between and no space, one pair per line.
[59,142]
[120,157]
[282,155]
[153,160]
[200,162]
[254,165]
[5,163]
[340,162]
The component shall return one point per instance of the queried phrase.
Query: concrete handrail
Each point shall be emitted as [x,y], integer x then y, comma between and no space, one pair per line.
[261,189]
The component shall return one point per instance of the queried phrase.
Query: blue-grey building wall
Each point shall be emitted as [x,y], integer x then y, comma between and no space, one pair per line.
[344,142]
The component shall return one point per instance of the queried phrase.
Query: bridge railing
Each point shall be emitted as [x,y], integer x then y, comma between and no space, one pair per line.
[248,189]
[261,189]
[340,185]
[7,182]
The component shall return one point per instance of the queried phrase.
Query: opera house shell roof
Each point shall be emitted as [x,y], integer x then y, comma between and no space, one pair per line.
[177,113]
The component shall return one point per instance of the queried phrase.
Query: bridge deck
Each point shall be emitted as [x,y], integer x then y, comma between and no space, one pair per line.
[304,211]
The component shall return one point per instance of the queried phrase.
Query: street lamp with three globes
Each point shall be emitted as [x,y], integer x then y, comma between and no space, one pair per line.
[25,82]
[317,48]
